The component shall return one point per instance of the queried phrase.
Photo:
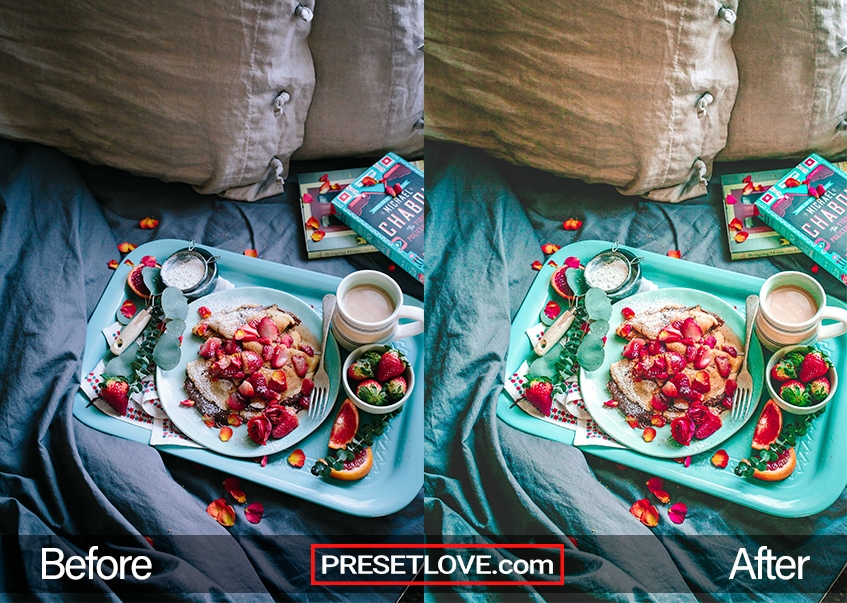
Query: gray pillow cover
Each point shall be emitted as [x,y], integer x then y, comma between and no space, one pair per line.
[176,89]
[792,70]
[369,65]
[636,94]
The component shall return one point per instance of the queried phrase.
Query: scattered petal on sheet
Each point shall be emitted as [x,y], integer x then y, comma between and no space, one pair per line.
[815,268]
[792,182]
[113,265]
[204,312]
[572,224]
[233,486]
[740,237]
[125,247]
[677,512]
[720,459]
[313,223]
[656,485]
[611,403]
[747,179]
[325,188]
[389,190]
[324,178]
[627,313]
[748,188]
[150,541]
[128,309]
[736,224]
[225,434]
[148,223]
[254,512]
[536,265]
[187,402]
[307,198]
[550,248]
[252,253]
[397,190]
[297,458]
[223,513]
[649,434]
[149,261]
[393,267]
[645,512]
[675,253]
[369,181]
[573,541]
[572,262]
[318,235]
[731,200]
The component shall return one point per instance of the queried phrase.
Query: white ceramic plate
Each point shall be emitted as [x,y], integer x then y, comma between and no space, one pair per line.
[188,420]
[594,384]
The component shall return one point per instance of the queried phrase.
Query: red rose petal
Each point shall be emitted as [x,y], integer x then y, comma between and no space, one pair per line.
[397,190]
[792,182]
[369,181]
[731,200]
[313,223]
[536,265]
[307,198]
[572,224]
[677,512]
[223,513]
[656,485]
[253,513]
[208,421]
[128,309]
[756,211]
[252,253]
[204,312]
[148,223]
[149,261]
[820,190]
[325,188]
[736,224]
[631,421]
[645,512]
[550,248]
[318,235]
[740,237]
[129,262]
[720,459]
[572,262]
[627,313]
[815,268]
[187,402]
[573,541]
[747,179]
[553,264]
[674,253]
[649,434]
[658,421]
[125,247]
[611,403]
[297,458]
[233,487]
[226,434]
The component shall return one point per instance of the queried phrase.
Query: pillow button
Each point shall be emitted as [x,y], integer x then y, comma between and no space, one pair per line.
[419,124]
[304,12]
[700,170]
[279,102]
[703,104]
[842,125]
[727,14]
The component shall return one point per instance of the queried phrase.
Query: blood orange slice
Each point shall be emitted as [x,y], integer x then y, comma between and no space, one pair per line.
[358,468]
[779,469]
[135,281]
[345,426]
[768,426]
[559,282]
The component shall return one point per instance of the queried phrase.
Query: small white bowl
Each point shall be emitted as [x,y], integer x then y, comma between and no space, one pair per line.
[797,410]
[351,393]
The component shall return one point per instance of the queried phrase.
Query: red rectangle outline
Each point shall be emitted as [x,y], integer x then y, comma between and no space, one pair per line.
[560,547]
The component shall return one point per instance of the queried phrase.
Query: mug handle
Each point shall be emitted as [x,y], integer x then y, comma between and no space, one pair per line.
[830,331]
[411,328]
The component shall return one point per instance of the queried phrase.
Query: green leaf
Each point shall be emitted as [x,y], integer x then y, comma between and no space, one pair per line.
[167,352]
[590,354]
[545,366]
[152,279]
[121,366]
[175,327]
[597,304]
[174,304]
[599,328]
[576,280]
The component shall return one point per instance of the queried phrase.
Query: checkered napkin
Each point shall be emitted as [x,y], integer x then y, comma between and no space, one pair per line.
[568,409]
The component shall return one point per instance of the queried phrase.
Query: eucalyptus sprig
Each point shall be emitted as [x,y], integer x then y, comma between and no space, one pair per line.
[787,438]
[364,437]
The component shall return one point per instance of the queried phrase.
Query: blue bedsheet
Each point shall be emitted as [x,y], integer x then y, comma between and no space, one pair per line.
[60,223]
[486,480]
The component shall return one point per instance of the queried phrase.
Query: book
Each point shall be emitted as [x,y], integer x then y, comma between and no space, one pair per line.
[740,192]
[338,238]
[386,206]
[808,206]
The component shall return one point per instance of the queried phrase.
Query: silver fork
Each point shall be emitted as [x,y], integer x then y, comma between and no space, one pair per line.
[320,393]
[744,392]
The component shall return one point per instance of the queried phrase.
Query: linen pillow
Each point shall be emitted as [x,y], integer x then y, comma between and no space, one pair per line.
[792,71]
[636,94]
[212,93]
[369,65]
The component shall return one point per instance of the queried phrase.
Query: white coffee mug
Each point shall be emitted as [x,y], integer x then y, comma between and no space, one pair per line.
[370,306]
[792,306]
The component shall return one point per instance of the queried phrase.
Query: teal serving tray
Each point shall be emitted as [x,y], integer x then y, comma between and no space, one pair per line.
[820,476]
[397,474]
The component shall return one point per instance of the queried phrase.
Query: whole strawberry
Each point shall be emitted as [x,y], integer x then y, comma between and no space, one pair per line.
[784,370]
[360,370]
[794,393]
[396,388]
[819,389]
[115,391]
[539,393]
[390,365]
[814,365]
[370,391]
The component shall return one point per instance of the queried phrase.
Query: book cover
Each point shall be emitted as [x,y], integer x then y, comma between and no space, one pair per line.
[326,235]
[749,236]
[386,206]
[808,206]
